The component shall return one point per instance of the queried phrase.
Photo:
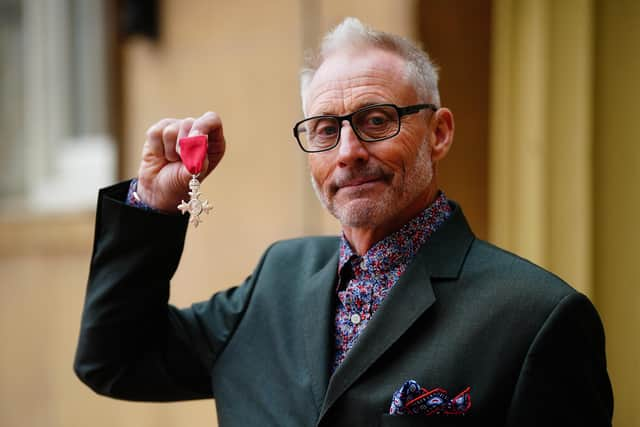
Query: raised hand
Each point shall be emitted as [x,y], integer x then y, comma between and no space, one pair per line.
[163,181]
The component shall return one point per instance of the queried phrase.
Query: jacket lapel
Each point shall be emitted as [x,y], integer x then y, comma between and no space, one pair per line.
[318,326]
[441,257]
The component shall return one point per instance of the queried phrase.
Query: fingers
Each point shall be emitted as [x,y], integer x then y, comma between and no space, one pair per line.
[154,144]
[169,138]
[161,145]
[210,124]
[184,128]
[163,136]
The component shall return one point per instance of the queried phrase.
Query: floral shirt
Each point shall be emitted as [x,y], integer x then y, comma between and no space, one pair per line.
[364,281]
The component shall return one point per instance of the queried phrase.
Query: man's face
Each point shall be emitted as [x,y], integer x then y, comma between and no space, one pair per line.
[370,184]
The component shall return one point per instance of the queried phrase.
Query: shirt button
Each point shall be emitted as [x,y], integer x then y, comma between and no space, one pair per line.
[355,318]
[363,265]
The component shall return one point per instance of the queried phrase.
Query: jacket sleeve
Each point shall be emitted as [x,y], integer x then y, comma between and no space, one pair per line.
[564,380]
[134,345]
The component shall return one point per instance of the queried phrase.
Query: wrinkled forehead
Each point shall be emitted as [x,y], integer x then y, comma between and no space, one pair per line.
[348,80]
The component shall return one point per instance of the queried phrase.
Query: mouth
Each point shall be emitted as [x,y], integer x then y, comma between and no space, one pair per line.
[358,182]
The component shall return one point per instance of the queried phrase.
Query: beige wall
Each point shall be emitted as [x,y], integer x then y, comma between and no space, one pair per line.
[540,162]
[43,266]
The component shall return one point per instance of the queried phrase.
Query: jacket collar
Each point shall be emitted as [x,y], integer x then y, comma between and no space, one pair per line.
[319,298]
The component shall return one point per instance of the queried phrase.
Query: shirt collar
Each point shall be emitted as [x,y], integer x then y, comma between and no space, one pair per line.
[401,246]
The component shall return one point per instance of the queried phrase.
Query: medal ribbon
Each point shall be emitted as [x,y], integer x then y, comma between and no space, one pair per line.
[193,150]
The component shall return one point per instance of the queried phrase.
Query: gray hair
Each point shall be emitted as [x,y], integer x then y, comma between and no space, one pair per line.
[352,34]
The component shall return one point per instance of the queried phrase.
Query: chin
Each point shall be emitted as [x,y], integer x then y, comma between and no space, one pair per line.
[361,213]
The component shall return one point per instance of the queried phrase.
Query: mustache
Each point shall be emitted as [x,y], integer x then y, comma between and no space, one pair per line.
[365,173]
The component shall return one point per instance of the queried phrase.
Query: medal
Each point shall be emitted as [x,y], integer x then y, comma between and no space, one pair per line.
[193,150]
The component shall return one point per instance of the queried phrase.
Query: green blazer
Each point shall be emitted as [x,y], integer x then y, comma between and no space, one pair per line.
[464,314]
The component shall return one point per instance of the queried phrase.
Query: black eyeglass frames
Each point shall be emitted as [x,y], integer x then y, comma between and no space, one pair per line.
[372,123]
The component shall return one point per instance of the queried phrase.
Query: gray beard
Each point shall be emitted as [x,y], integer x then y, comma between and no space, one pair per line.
[372,213]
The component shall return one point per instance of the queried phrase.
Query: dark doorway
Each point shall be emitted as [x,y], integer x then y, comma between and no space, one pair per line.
[457,35]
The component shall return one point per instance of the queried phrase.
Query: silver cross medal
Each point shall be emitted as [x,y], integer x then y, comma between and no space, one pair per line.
[195,206]
[193,152]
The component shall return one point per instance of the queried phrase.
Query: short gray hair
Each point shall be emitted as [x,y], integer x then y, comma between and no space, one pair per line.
[351,34]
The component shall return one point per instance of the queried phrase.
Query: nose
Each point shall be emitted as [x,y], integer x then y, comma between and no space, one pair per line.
[351,150]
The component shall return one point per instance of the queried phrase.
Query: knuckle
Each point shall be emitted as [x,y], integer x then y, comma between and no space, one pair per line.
[212,116]
[157,129]
[152,132]
[168,130]
[186,123]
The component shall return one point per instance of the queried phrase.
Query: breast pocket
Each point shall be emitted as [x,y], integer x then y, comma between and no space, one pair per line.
[422,420]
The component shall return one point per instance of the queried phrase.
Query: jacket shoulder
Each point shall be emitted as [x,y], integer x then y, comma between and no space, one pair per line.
[312,243]
[312,252]
[515,275]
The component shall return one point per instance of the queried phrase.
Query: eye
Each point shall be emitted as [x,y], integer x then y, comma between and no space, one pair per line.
[376,117]
[326,128]
[322,132]
[377,123]
[377,120]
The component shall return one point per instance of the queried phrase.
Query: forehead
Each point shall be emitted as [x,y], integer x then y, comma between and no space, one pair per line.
[350,80]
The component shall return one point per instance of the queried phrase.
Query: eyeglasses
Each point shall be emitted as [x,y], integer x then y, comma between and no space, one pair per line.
[370,124]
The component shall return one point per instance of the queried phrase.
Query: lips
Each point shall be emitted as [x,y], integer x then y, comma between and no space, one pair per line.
[358,181]
[359,178]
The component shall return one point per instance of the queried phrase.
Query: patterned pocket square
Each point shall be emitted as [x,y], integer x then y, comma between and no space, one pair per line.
[411,399]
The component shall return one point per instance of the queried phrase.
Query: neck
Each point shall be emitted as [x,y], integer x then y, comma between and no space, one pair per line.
[362,239]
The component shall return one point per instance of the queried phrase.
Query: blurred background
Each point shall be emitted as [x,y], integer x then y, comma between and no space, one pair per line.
[546,160]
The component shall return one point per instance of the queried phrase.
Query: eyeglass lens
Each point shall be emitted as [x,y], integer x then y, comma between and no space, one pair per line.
[370,124]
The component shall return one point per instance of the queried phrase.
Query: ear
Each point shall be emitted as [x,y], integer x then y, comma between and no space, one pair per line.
[442,133]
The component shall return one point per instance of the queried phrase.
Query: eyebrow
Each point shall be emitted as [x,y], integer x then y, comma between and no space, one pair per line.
[358,107]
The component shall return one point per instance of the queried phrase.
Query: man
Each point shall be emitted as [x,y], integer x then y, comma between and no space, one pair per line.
[407,319]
